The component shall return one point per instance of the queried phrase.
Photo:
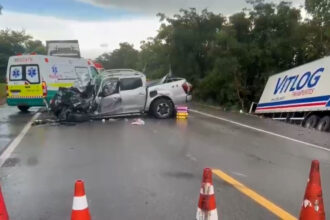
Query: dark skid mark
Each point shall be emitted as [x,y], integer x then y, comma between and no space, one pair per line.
[178,174]
[259,158]
[32,161]
[11,162]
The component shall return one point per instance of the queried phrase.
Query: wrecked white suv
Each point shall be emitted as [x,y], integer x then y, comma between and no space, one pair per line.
[122,92]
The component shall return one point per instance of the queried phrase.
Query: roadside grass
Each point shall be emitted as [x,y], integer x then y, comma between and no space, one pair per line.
[2,91]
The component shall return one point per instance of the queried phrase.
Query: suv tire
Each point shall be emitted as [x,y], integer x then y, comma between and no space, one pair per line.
[162,108]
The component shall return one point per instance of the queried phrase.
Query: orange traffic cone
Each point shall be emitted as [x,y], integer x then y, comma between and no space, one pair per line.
[3,209]
[312,207]
[207,208]
[80,209]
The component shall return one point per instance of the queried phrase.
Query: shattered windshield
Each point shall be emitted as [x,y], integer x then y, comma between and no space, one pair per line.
[109,86]
[83,78]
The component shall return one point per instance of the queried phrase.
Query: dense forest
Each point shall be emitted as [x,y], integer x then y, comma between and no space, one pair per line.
[227,59]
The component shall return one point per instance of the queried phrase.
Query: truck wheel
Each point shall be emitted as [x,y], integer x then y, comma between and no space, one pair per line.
[162,108]
[324,124]
[312,121]
[23,108]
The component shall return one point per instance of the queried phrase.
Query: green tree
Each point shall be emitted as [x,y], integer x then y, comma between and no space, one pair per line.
[230,59]
[11,43]
[318,27]
[124,57]
[189,36]
[35,46]
[320,10]
[154,58]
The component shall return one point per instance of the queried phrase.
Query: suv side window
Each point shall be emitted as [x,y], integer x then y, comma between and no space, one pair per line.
[130,83]
[110,86]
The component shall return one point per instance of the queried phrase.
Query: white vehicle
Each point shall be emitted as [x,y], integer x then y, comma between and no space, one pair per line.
[122,92]
[300,94]
[33,80]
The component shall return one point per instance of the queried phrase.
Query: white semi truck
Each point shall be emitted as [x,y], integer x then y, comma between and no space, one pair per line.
[301,94]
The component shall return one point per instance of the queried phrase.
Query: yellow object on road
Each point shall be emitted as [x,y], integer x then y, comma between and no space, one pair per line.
[184,114]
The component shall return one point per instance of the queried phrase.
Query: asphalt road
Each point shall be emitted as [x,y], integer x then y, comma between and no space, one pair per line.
[11,123]
[154,171]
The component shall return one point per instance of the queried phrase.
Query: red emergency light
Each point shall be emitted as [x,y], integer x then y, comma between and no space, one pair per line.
[98,65]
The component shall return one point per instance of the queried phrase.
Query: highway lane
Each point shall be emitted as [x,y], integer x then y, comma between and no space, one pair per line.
[11,123]
[154,171]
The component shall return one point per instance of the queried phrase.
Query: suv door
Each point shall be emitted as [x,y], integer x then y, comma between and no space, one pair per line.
[133,94]
[110,102]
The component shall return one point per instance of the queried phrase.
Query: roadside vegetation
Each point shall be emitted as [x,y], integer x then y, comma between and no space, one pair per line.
[15,42]
[228,59]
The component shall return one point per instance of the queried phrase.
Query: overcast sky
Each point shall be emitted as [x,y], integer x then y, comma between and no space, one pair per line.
[100,25]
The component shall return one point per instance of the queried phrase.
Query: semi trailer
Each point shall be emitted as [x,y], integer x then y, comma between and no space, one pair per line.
[300,95]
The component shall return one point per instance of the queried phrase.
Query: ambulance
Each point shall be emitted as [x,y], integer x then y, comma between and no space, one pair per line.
[33,80]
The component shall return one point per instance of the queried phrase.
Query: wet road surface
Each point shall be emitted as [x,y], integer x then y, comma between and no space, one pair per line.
[11,123]
[154,171]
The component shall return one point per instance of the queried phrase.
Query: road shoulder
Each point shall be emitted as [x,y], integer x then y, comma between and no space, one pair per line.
[311,137]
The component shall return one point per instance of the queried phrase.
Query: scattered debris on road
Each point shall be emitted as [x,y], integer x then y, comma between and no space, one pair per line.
[138,121]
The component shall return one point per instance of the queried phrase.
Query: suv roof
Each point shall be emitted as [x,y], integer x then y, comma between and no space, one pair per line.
[122,73]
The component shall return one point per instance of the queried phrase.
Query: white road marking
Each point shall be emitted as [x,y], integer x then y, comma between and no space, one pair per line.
[191,157]
[260,130]
[6,154]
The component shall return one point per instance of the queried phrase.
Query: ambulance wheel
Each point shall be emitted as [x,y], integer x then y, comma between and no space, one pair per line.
[23,108]
[324,124]
[312,121]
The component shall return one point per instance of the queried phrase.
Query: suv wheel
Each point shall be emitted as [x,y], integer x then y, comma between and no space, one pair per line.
[162,108]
